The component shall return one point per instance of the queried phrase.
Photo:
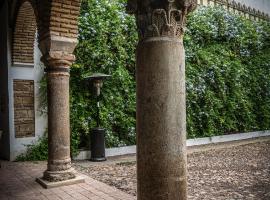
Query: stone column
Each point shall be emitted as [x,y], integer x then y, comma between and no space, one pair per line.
[161,107]
[58,60]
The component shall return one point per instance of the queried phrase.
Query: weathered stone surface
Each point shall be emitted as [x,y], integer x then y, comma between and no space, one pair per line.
[49,185]
[158,18]
[58,60]
[57,36]
[59,163]
[161,115]
[24,108]
[161,108]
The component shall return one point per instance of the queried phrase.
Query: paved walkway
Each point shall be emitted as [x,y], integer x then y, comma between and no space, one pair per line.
[218,172]
[17,182]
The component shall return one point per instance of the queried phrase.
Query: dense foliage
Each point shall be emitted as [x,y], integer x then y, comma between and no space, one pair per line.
[36,151]
[107,43]
[228,73]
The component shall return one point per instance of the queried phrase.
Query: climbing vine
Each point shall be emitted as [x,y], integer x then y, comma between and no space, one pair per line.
[227,75]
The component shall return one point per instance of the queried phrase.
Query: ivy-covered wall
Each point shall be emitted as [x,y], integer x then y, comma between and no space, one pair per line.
[228,72]
[227,75]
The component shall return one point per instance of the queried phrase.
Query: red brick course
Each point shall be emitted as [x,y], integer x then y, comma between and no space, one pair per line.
[24,108]
[58,18]
[54,18]
[24,35]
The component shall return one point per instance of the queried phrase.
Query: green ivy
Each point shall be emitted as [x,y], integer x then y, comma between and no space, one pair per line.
[36,151]
[107,42]
[227,75]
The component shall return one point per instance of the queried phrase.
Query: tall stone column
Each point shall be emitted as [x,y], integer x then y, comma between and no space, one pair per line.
[59,162]
[161,107]
[58,57]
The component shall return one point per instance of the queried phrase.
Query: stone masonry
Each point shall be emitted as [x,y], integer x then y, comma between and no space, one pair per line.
[24,108]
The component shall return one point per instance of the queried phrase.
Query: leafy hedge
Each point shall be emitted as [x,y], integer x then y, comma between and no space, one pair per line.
[228,73]
[107,44]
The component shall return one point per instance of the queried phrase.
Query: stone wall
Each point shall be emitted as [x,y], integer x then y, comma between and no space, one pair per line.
[24,109]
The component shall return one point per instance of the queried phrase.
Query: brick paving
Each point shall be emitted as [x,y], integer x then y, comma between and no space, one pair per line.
[17,182]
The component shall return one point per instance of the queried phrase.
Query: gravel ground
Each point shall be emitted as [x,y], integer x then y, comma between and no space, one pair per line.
[238,172]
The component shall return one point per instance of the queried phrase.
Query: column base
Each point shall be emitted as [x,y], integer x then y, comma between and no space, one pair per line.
[48,184]
[56,176]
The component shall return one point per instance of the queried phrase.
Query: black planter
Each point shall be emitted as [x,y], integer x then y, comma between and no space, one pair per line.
[98,145]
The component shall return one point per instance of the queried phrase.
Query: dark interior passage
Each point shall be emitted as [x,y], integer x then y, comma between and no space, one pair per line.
[4,101]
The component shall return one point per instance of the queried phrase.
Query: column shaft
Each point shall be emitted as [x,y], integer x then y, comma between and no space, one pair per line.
[161,119]
[59,162]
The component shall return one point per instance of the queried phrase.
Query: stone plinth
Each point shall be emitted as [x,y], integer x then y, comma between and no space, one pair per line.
[48,185]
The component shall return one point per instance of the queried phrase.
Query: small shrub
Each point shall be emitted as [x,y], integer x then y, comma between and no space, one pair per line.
[36,151]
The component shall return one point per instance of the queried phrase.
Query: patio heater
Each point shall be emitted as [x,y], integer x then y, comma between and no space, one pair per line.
[98,133]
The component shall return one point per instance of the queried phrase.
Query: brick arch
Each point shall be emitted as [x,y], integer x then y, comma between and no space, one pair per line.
[24,34]
[64,16]
[57,26]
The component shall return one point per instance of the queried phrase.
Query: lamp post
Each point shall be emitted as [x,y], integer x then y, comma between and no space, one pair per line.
[97,133]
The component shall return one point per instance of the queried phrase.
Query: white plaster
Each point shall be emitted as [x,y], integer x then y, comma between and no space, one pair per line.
[26,72]
[226,138]
[120,151]
[84,155]
[23,64]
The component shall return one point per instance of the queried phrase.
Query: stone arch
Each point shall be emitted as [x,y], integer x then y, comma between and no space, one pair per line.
[24,35]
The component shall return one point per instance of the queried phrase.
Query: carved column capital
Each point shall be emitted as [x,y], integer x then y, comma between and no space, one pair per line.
[161,18]
[58,62]
[57,53]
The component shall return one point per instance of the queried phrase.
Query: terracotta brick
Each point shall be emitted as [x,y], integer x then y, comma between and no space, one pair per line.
[24,109]
[24,34]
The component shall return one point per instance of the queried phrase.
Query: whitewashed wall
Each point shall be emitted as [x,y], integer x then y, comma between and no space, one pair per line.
[26,72]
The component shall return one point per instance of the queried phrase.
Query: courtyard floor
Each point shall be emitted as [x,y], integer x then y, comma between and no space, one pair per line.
[230,171]
[220,172]
[17,182]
